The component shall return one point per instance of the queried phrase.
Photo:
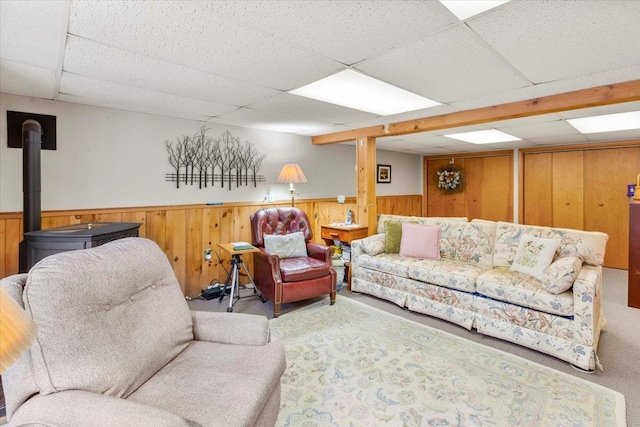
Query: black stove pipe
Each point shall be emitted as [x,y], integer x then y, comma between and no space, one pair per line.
[31,188]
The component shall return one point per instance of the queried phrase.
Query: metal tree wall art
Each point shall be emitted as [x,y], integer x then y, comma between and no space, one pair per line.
[205,160]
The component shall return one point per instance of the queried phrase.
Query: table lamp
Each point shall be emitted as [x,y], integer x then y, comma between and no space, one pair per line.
[291,174]
[17,331]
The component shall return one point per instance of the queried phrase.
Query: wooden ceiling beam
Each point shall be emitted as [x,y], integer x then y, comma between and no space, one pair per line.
[585,98]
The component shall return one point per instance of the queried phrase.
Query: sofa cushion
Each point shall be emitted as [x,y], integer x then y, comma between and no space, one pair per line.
[235,384]
[392,236]
[471,242]
[587,245]
[452,274]
[561,274]
[534,255]
[127,284]
[518,288]
[388,263]
[420,241]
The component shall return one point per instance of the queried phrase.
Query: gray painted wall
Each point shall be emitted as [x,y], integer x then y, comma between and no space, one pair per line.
[115,158]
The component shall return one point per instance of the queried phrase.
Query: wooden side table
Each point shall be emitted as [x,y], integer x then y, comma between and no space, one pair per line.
[345,234]
[234,273]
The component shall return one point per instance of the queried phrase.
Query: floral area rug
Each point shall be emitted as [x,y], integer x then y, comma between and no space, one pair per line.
[353,365]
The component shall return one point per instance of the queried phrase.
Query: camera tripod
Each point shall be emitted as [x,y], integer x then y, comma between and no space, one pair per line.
[233,276]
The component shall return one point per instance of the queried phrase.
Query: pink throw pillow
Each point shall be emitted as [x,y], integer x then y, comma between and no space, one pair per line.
[420,241]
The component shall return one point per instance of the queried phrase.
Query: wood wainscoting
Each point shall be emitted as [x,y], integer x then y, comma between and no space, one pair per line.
[184,232]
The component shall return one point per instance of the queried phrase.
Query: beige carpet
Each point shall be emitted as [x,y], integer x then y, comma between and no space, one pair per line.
[351,364]
[618,349]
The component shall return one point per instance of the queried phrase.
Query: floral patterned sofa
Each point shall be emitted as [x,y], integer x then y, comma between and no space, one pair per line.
[473,285]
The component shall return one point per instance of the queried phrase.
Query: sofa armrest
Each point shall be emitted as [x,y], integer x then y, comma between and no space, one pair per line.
[78,408]
[230,328]
[587,304]
[266,265]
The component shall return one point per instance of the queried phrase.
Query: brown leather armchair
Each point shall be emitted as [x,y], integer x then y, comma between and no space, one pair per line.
[290,279]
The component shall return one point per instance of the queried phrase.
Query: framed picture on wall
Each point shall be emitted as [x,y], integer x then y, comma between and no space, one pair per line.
[384,174]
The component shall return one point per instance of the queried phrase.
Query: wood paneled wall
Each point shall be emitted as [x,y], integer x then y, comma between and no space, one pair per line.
[583,187]
[487,190]
[184,232]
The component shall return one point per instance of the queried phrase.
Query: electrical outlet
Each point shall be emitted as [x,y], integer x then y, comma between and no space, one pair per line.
[207,254]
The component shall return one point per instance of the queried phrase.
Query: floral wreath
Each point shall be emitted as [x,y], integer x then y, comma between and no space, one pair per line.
[449,178]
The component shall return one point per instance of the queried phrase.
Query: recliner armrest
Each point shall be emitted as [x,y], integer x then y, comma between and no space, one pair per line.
[230,328]
[321,252]
[79,408]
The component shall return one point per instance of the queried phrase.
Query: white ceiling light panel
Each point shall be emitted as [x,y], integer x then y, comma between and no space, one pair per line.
[607,123]
[490,136]
[464,9]
[355,90]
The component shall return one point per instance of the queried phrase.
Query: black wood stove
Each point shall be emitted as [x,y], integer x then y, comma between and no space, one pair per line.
[42,243]
[38,244]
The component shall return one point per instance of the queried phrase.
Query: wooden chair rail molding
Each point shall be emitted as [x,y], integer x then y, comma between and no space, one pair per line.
[185,231]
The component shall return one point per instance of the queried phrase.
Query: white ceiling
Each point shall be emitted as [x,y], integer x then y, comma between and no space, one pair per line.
[232,62]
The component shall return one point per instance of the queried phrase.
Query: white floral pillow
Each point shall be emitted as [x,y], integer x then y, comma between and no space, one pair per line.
[561,274]
[374,245]
[534,255]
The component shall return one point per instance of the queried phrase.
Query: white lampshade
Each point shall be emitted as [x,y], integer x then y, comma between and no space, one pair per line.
[291,174]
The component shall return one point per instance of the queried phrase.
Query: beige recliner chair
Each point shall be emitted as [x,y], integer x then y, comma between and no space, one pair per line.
[117,345]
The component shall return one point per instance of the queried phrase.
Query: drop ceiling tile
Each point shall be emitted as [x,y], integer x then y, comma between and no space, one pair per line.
[524,121]
[394,138]
[27,80]
[191,34]
[508,145]
[446,67]
[563,39]
[260,119]
[398,145]
[612,76]
[621,135]
[430,151]
[463,129]
[329,129]
[410,115]
[601,111]
[310,109]
[468,148]
[442,141]
[559,140]
[72,84]
[102,62]
[99,102]
[540,130]
[31,32]
[372,28]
